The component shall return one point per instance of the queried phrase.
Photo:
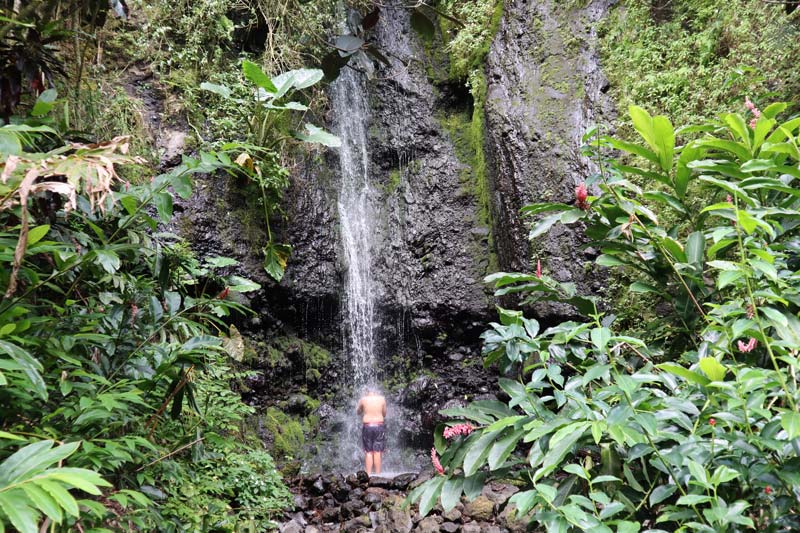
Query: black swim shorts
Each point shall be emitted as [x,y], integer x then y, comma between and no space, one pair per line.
[373,437]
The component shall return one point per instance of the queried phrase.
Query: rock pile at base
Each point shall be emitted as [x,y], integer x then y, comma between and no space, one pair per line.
[358,503]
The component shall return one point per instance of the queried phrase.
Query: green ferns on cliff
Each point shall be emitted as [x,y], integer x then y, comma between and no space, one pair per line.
[693,59]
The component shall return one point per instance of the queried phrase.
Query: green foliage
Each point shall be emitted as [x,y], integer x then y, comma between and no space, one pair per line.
[288,433]
[607,432]
[107,336]
[468,28]
[30,486]
[693,59]
[267,112]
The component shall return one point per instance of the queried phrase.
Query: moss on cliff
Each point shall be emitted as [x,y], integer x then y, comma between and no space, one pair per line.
[283,353]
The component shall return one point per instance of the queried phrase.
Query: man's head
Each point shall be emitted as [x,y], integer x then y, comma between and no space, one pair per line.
[371,390]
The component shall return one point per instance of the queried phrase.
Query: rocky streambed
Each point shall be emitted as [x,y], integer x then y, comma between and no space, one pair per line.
[360,503]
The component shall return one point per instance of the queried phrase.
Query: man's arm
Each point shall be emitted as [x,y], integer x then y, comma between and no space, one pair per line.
[360,408]
[384,407]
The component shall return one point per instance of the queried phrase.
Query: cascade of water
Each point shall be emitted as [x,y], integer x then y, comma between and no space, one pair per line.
[348,96]
[359,212]
[356,218]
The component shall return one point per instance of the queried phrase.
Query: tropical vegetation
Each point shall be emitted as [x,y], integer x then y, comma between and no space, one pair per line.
[692,425]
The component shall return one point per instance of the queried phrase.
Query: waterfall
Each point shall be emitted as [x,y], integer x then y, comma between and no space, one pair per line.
[357,222]
[360,208]
[356,218]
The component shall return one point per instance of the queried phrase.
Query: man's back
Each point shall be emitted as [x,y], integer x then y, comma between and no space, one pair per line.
[373,408]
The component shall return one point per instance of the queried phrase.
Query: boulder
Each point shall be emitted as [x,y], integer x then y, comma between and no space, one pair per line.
[300,502]
[380,482]
[428,525]
[340,490]
[372,498]
[499,493]
[330,514]
[393,516]
[515,524]
[292,526]
[449,527]
[358,524]
[453,515]
[481,508]
[471,527]
[353,508]
[402,481]
[318,486]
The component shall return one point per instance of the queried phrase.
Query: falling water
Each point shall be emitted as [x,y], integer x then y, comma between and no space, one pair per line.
[348,95]
[356,219]
[359,212]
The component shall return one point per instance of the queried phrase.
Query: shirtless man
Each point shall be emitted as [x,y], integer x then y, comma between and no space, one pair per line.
[372,407]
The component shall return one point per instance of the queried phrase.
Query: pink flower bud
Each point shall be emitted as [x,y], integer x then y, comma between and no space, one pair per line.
[581,193]
[749,347]
[458,429]
[538,269]
[435,461]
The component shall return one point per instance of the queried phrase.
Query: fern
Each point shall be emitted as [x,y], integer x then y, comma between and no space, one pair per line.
[30,488]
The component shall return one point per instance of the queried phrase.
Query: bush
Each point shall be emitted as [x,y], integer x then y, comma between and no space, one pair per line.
[606,432]
[108,346]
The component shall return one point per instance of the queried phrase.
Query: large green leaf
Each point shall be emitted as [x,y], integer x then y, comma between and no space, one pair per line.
[275,259]
[684,373]
[695,250]
[317,135]
[30,366]
[665,141]
[431,494]
[215,88]
[502,449]
[560,445]
[297,79]
[451,492]
[254,73]
[790,421]
[477,453]
[712,368]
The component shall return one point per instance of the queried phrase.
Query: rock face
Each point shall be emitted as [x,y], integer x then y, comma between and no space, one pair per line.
[544,89]
[430,248]
[435,239]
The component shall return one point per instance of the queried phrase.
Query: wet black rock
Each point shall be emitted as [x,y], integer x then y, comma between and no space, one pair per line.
[330,514]
[542,94]
[402,481]
[380,482]
[300,502]
[319,486]
[449,527]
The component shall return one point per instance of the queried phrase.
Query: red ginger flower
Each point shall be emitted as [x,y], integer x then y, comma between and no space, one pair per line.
[749,347]
[538,269]
[435,461]
[581,193]
[712,422]
[768,490]
[224,294]
[458,429]
[754,110]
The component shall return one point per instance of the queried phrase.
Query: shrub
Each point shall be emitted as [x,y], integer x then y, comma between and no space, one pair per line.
[607,433]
